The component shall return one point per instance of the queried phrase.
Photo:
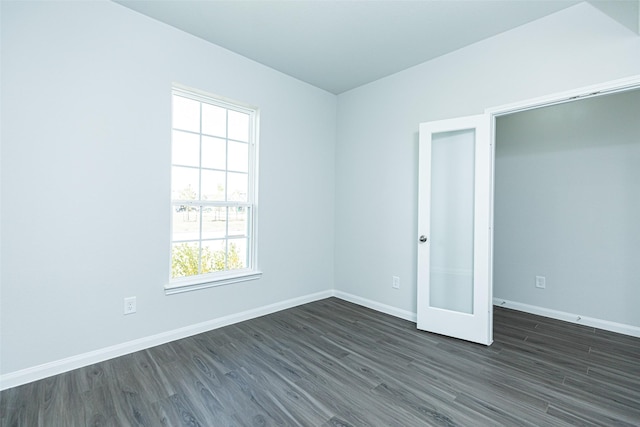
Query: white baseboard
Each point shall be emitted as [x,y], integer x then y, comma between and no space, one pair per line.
[578,319]
[374,305]
[45,370]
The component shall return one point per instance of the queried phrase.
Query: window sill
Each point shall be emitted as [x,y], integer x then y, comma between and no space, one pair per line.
[193,284]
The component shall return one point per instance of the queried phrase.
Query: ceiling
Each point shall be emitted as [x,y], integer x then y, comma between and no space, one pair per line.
[340,45]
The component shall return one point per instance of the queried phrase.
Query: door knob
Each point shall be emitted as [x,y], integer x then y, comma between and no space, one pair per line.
[423,238]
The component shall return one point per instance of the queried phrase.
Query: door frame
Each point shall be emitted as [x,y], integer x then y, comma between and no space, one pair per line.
[605,88]
[599,89]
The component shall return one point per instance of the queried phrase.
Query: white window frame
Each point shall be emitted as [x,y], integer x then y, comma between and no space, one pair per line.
[189,283]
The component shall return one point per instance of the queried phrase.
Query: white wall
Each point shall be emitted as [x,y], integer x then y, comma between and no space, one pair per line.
[85,179]
[85,150]
[377,145]
[567,205]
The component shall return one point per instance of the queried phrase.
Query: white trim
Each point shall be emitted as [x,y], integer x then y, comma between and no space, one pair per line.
[578,319]
[374,305]
[45,370]
[204,96]
[619,85]
[207,281]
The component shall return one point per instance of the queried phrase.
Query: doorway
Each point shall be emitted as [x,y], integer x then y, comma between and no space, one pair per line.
[566,199]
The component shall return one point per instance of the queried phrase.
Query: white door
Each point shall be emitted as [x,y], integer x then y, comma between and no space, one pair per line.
[454,235]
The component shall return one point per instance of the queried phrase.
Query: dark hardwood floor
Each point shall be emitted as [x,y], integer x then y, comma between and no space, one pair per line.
[333,363]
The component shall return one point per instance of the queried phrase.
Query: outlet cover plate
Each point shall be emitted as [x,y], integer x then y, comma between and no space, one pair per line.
[130,305]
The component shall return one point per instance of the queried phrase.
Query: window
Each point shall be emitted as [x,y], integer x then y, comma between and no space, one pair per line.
[213,191]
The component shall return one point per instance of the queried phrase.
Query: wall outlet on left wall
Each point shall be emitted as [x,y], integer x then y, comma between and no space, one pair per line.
[129,305]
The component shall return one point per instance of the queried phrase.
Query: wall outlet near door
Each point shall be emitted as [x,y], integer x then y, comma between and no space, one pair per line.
[130,305]
[541,282]
[396,282]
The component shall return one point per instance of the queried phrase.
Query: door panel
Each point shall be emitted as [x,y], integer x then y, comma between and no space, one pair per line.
[454,290]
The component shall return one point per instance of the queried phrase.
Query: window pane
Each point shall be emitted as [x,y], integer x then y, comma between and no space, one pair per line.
[184,183]
[211,163]
[185,149]
[214,120]
[184,259]
[238,126]
[237,254]
[186,222]
[186,114]
[212,185]
[237,187]
[213,153]
[213,256]
[238,221]
[452,220]
[238,156]
[214,222]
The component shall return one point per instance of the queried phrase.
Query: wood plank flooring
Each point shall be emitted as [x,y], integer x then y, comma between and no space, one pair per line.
[333,363]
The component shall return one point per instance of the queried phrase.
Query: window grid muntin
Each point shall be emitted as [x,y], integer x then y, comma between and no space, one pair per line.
[200,208]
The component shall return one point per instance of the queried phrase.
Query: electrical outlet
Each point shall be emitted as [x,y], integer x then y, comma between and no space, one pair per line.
[396,282]
[541,282]
[130,305]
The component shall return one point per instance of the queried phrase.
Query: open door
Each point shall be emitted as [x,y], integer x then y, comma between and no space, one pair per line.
[454,234]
